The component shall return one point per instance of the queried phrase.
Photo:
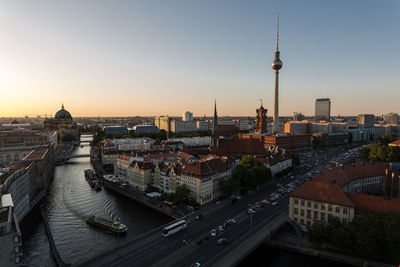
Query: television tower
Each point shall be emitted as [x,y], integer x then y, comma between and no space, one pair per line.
[276,65]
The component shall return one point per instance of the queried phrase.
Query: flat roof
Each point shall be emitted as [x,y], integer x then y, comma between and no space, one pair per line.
[37,154]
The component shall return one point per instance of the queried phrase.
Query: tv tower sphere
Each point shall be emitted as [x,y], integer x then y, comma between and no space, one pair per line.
[277,63]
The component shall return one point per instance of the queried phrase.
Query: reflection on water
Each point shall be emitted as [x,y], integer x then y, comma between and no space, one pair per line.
[69,201]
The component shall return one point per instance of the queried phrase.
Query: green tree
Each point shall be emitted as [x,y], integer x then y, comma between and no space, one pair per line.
[182,193]
[250,173]
[386,139]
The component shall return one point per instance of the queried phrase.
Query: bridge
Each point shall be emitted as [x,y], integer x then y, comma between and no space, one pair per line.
[191,244]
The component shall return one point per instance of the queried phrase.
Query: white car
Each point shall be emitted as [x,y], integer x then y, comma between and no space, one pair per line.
[213,232]
[250,211]
[221,228]
[274,203]
[233,221]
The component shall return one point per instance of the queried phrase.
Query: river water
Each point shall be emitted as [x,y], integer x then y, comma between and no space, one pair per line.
[70,200]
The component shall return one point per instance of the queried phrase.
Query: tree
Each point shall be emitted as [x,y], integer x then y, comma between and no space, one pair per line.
[386,139]
[182,193]
[250,173]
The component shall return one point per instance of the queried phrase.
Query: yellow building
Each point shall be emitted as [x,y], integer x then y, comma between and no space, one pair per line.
[320,201]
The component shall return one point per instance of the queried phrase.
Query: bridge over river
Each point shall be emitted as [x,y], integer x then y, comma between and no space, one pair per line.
[184,248]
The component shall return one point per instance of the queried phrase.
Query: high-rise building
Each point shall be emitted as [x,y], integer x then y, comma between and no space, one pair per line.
[392,118]
[276,66]
[298,116]
[322,109]
[187,116]
[163,123]
[366,120]
[261,121]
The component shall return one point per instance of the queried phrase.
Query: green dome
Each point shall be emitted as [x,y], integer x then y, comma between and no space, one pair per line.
[62,114]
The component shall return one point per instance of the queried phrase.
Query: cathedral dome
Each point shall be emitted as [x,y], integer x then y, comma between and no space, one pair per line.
[62,114]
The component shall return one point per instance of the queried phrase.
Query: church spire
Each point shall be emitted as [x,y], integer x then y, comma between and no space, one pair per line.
[215,121]
[214,132]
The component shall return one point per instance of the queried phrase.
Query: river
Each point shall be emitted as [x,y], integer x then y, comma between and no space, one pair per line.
[70,200]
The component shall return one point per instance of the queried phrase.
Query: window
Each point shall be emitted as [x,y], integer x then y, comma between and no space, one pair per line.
[315,205]
[16,249]
[302,221]
[337,210]
[301,212]
[344,210]
[322,206]
[322,217]
[296,211]
[302,202]
[296,201]
[308,213]
[329,208]
[309,204]
[315,215]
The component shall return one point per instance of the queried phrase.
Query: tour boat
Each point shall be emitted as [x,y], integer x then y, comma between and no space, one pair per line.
[113,226]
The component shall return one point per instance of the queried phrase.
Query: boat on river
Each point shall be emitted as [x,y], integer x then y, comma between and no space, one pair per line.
[113,226]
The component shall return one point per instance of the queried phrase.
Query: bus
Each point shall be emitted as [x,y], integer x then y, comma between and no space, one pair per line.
[173,228]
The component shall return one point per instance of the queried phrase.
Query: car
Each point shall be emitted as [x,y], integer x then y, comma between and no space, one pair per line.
[251,211]
[221,241]
[233,220]
[274,203]
[213,232]
[196,264]
[221,228]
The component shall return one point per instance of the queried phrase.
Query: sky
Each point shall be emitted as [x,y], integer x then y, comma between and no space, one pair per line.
[165,57]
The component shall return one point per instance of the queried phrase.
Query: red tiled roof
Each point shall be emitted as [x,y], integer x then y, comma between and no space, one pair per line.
[375,203]
[240,146]
[184,155]
[323,191]
[344,175]
[144,165]
[395,143]
[206,168]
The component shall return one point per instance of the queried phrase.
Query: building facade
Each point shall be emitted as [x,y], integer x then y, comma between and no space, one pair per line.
[322,109]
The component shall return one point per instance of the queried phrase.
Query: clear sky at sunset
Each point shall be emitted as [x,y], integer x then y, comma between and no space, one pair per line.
[128,58]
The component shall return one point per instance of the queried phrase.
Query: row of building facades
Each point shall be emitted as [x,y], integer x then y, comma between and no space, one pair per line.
[188,161]
[27,159]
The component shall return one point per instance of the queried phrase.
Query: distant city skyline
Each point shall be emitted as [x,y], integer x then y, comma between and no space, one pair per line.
[151,58]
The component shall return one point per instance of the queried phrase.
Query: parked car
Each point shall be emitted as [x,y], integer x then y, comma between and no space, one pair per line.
[196,264]
[221,228]
[251,211]
[221,241]
[274,203]
[213,232]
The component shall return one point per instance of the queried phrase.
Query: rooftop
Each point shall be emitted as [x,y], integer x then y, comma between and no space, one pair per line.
[375,203]
[345,174]
[37,154]
[323,191]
